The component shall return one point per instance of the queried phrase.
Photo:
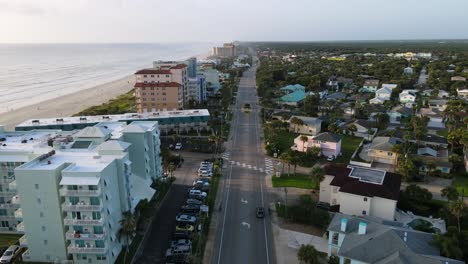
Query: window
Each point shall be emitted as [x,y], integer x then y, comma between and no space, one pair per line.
[389,154]
[365,199]
[94,201]
[36,186]
[101,257]
[99,243]
[41,214]
[364,212]
[3,212]
[45,242]
[43,228]
[74,200]
[98,230]
[38,200]
[335,237]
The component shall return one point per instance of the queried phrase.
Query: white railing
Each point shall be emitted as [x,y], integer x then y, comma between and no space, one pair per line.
[81,207]
[71,221]
[8,193]
[23,241]
[9,206]
[89,250]
[66,192]
[71,235]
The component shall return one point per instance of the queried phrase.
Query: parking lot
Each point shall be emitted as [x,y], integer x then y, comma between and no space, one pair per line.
[158,240]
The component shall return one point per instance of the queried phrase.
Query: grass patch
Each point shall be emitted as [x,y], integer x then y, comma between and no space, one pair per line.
[461,183]
[442,133]
[348,145]
[7,240]
[131,251]
[124,103]
[297,180]
[279,139]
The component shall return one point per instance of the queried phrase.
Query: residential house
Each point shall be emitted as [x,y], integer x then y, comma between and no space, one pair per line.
[399,112]
[439,104]
[458,79]
[361,191]
[381,150]
[437,157]
[332,83]
[370,86]
[363,127]
[369,240]
[463,92]
[407,96]
[381,95]
[295,94]
[310,125]
[436,119]
[336,96]
[441,93]
[329,144]
[345,83]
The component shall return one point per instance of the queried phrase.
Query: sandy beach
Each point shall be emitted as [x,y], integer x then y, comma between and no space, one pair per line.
[70,104]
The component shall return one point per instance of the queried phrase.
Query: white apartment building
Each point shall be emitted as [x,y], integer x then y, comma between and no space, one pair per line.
[75,186]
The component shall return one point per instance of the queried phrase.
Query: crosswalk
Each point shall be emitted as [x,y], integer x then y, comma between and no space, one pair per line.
[268,169]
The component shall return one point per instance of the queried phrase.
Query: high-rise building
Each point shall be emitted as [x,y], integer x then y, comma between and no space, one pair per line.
[162,88]
[197,88]
[74,186]
[192,67]
[227,50]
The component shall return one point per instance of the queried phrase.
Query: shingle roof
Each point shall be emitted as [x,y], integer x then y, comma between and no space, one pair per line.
[389,189]
[295,97]
[384,143]
[327,137]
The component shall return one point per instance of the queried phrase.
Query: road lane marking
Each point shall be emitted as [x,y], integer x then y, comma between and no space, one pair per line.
[244,201]
[246,224]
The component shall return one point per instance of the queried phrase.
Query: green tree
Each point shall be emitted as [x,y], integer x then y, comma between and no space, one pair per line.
[449,243]
[417,193]
[304,139]
[307,254]
[318,174]
[457,208]
[450,193]
[352,128]
[333,260]
[171,169]
[127,230]
[406,168]
[382,120]
[296,122]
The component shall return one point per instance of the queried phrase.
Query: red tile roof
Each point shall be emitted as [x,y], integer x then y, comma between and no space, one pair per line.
[179,66]
[161,84]
[153,71]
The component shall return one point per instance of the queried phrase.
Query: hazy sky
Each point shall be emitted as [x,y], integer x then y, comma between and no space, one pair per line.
[224,20]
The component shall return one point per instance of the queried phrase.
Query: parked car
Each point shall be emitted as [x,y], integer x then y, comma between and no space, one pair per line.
[205,174]
[178,146]
[185,249]
[183,218]
[193,201]
[10,254]
[203,180]
[196,197]
[202,187]
[180,242]
[197,192]
[206,163]
[260,212]
[185,227]
[190,208]
[181,235]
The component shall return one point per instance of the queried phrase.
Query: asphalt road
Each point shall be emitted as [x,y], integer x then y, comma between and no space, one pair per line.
[240,236]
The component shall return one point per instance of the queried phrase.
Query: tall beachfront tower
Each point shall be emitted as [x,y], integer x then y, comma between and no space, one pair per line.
[77,184]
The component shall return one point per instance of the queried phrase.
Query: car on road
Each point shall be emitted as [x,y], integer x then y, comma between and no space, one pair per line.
[178,146]
[206,163]
[202,187]
[180,242]
[190,208]
[183,218]
[184,227]
[197,192]
[181,235]
[179,250]
[10,254]
[203,180]
[193,201]
[205,174]
[260,212]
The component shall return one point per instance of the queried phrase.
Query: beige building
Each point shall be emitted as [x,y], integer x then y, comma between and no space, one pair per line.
[227,50]
[361,191]
[381,150]
[162,88]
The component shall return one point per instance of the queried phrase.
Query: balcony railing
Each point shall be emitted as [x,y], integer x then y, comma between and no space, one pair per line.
[81,207]
[26,255]
[9,206]
[73,249]
[91,222]
[8,193]
[23,241]
[71,235]
[66,192]
[8,217]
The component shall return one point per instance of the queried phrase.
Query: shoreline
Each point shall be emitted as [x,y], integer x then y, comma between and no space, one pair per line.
[70,104]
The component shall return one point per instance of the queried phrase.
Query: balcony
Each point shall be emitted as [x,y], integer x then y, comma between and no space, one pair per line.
[9,206]
[75,249]
[23,241]
[8,193]
[66,192]
[20,227]
[19,213]
[8,218]
[72,235]
[6,180]
[85,222]
[12,186]
[26,255]
[81,207]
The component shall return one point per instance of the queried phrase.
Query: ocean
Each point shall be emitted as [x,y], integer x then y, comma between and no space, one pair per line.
[32,73]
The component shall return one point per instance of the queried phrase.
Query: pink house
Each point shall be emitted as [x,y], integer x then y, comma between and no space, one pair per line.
[329,144]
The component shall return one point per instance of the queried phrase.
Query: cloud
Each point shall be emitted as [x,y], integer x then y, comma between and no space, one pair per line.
[26,9]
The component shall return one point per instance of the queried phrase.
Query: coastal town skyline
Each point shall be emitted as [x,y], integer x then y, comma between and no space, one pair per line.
[52,21]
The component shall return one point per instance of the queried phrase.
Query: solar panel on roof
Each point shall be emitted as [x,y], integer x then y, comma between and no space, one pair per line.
[367,175]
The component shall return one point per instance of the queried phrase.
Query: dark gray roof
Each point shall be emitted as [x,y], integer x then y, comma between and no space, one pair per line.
[327,137]
[386,244]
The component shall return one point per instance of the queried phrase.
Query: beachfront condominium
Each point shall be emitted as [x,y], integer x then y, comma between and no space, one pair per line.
[227,50]
[74,186]
[163,87]
[197,89]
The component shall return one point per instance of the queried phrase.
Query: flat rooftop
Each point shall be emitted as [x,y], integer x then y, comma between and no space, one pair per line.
[121,117]
[367,175]
[26,140]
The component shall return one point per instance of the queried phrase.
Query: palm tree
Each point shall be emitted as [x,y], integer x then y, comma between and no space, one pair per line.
[307,254]
[171,169]
[296,122]
[456,208]
[127,229]
[217,140]
[318,174]
[304,139]
[285,157]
